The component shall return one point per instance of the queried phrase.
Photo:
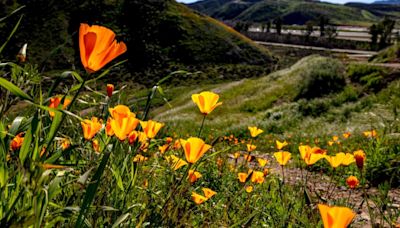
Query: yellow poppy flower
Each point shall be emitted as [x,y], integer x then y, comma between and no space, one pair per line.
[254,131]
[262,162]
[206,101]
[282,157]
[175,162]
[280,145]
[140,158]
[257,177]
[307,155]
[194,149]
[249,189]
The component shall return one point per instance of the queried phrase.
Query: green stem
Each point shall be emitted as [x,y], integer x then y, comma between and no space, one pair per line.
[68,109]
[91,190]
[201,127]
[366,200]
[148,103]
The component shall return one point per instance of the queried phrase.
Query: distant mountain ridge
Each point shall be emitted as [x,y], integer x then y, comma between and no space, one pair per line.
[292,11]
[387,2]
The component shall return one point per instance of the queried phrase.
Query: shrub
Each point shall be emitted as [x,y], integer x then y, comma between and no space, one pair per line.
[321,77]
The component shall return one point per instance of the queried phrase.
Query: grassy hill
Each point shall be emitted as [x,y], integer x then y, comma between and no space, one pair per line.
[161,36]
[353,98]
[292,11]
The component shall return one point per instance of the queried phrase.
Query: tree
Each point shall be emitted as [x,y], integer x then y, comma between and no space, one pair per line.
[331,32]
[386,27]
[268,26]
[278,25]
[374,31]
[323,21]
[309,29]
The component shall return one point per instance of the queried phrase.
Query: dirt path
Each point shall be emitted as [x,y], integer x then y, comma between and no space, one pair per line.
[322,187]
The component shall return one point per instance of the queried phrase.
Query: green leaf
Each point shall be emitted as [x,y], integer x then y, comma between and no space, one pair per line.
[15,125]
[12,13]
[73,74]
[26,145]
[83,178]
[121,219]
[92,189]
[12,33]
[3,174]
[118,178]
[14,89]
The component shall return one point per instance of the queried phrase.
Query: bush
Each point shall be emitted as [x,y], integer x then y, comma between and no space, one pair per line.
[356,71]
[323,76]
[313,108]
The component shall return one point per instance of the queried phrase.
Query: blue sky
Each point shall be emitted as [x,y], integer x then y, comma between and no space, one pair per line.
[334,1]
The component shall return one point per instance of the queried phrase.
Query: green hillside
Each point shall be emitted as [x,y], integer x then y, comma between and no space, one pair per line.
[353,98]
[161,35]
[291,11]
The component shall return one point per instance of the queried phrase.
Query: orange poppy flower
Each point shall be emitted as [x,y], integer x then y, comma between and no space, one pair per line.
[208,193]
[163,148]
[65,143]
[352,182]
[91,127]
[193,176]
[242,177]
[96,145]
[282,157]
[98,46]
[122,121]
[346,135]
[198,199]
[254,131]
[194,149]
[151,128]
[257,177]
[206,101]
[17,141]
[360,157]
[335,217]
[55,102]
[251,147]
[370,134]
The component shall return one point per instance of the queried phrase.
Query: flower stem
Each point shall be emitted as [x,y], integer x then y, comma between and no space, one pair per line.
[202,125]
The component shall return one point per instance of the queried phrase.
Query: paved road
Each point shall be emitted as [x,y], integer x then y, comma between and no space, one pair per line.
[348,51]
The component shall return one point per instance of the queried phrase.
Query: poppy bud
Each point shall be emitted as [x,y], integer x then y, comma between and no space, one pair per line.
[22,53]
[110,89]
